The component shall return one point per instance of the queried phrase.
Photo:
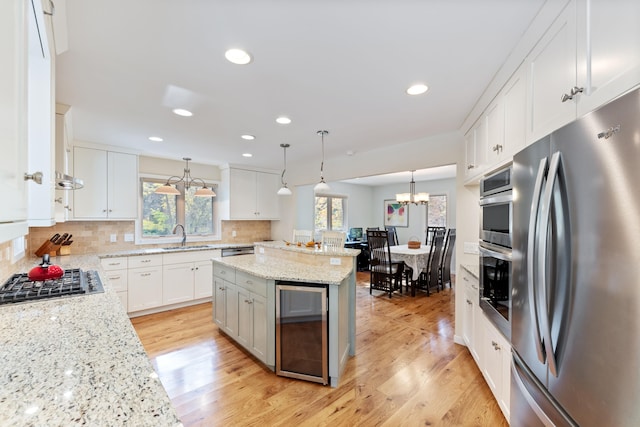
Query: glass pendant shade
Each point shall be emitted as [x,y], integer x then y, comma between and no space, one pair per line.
[204,192]
[284,191]
[322,187]
[167,189]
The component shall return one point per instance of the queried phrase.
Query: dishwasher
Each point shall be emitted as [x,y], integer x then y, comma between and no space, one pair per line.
[238,250]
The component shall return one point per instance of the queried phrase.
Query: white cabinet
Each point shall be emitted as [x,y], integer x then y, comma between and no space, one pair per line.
[608,50]
[40,120]
[496,365]
[187,275]
[63,161]
[13,124]
[177,283]
[514,100]
[472,316]
[110,184]
[145,282]
[476,149]
[116,274]
[240,308]
[252,194]
[551,73]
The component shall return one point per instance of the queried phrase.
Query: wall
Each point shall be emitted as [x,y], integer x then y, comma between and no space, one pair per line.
[440,150]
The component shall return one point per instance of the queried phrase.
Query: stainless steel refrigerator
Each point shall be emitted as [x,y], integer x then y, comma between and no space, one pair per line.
[575,327]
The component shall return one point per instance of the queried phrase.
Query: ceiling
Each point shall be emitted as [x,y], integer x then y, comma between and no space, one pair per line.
[342,66]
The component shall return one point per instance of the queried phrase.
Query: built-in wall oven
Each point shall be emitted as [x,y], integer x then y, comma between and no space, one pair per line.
[496,213]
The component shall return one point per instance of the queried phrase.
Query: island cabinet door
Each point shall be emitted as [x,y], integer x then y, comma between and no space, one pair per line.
[259,340]
[245,318]
[231,310]
[219,301]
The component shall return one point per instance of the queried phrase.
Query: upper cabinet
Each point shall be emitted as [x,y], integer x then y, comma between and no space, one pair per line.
[13,123]
[589,56]
[608,50]
[551,73]
[110,184]
[40,118]
[249,194]
[476,149]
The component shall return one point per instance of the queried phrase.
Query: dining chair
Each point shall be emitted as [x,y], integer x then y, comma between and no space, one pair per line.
[302,236]
[447,254]
[333,240]
[430,232]
[385,275]
[393,235]
[429,276]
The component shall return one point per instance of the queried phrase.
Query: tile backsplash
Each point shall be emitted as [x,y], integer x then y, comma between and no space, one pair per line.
[95,237]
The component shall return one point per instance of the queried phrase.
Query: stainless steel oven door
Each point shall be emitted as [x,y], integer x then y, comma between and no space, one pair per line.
[495,285]
[496,219]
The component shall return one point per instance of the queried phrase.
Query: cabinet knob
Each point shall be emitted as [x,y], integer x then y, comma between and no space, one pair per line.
[35,177]
[495,345]
[469,302]
[222,288]
[470,167]
[104,210]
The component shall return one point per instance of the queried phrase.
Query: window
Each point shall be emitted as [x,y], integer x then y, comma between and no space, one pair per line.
[161,212]
[437,211]
[330,213]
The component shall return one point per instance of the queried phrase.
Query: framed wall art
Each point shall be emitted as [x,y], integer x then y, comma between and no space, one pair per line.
[395,214]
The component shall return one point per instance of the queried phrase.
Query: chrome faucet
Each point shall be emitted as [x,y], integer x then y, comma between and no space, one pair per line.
[184,235]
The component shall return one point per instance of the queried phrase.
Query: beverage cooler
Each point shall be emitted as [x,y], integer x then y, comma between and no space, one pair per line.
[301,331]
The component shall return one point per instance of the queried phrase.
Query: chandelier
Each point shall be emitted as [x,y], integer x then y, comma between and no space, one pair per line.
[169,187]
[412,196]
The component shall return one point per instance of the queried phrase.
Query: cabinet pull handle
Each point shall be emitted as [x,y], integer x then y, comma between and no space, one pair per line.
[249,282]
[470,167]
[35,177]
[574,91]
[495,345]
[222,288]
[465,279]
[114,277]
[469,302]
[114,263]
[145,274]
[146,260]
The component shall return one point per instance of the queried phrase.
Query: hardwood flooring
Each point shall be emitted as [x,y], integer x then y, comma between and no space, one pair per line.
[407,371]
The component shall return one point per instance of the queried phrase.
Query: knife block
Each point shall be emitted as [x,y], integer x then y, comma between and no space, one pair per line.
[64,250]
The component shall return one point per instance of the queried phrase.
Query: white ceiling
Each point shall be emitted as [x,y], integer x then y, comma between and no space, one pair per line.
[337,65]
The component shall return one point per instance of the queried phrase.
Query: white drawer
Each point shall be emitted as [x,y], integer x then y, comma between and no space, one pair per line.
[118,263]
[117,279]
[254,284]
[224,272]
[145,261]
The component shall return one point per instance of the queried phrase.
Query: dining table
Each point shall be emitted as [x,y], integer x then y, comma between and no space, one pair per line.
[417,259]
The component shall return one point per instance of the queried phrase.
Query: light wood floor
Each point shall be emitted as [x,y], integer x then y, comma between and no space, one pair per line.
[407,371]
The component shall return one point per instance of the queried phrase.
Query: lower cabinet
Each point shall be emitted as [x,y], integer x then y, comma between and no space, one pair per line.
[472,315]
[116,275]
[145,288]
[241,310]
[177,283]
[496,366]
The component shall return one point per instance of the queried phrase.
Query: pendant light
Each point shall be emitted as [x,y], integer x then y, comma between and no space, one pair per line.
[412,197]
[322,186]
[169,186]
[284,191]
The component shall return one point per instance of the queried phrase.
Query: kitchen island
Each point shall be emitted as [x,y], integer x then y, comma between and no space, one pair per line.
[76,361]
[254,278]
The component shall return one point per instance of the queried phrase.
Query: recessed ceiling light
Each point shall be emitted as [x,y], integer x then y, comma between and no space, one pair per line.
[155,139]
[247,155]
[248,137]
[237,56]
[182,112]
[283,120]
[417,89]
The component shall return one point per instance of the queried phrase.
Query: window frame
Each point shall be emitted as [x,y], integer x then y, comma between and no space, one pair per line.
[140,239]
[344,198]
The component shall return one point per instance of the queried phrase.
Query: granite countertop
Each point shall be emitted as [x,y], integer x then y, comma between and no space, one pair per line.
[283,269]
[76,361]
[473,269]
[312,250]
[173,249]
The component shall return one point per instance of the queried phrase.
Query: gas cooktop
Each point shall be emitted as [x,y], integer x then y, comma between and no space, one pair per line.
[74,282]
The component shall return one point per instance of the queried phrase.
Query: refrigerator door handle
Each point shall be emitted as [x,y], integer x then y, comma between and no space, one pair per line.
[556,160]
[522,388]
[531,243]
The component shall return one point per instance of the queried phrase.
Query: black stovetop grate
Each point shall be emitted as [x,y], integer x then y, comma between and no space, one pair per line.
[19,288]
